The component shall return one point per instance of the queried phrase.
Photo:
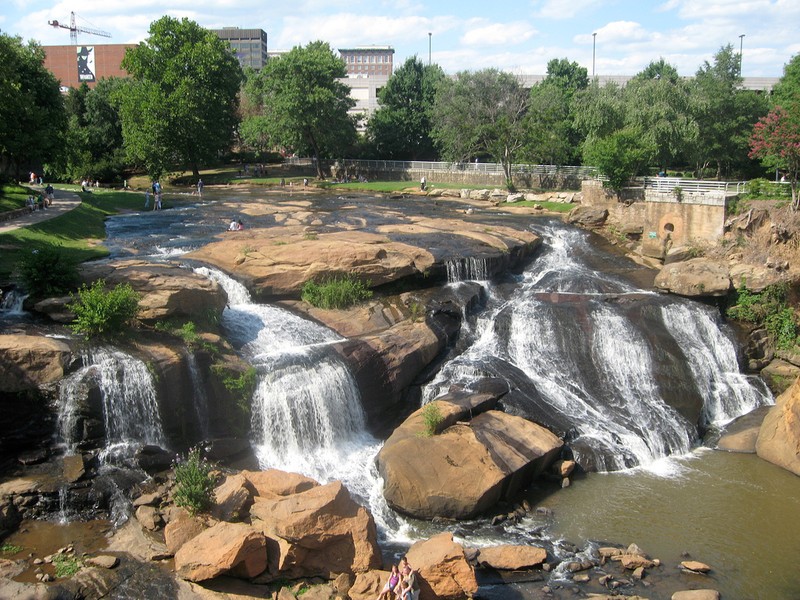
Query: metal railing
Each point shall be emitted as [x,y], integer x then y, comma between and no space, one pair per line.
[668,184]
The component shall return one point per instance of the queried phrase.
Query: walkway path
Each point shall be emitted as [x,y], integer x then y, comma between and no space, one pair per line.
[63,202]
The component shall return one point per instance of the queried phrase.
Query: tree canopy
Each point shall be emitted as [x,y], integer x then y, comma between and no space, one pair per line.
[181,106]
[401,127]
[301,103]
[32,116]
[481,112]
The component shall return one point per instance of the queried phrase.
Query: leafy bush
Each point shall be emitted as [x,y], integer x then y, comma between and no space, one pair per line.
[101,313]
[763,188]
[336,292]
[768,309]
[194,484]
[66,564]
[47,272]
[431,418]
[7,548]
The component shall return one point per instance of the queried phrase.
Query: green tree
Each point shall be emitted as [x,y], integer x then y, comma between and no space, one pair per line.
[549,126]
[182,104]
[619,156]
[32,116]
[724,112]
[302,103]
[657,103]
[787,90]
[567,76]
[401,127]
[481,112]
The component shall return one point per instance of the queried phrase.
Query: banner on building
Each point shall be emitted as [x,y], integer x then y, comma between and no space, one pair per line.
[86,65]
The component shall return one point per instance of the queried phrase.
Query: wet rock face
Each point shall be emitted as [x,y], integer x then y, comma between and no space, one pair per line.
[779,437]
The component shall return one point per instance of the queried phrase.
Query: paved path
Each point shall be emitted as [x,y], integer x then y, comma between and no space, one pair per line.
[63,202]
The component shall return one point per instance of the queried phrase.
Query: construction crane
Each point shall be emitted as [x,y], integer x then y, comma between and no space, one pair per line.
[74,29]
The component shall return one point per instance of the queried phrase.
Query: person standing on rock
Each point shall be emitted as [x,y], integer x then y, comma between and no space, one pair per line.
[422,183]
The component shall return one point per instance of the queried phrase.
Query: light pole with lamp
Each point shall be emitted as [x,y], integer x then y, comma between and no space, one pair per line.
[594,40]
[741,43]
[430,36]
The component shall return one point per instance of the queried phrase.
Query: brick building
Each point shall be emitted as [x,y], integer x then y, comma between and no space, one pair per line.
[74,65]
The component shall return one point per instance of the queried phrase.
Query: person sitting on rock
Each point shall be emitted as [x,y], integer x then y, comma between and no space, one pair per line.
[387,593]
[409,587]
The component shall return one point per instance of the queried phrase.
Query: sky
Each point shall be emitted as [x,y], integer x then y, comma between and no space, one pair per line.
[519,36]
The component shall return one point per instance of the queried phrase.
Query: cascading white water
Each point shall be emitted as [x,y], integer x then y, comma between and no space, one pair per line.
[566,330]
[12,303]
[467,269]
[130,409]
[728,393]
[306,410]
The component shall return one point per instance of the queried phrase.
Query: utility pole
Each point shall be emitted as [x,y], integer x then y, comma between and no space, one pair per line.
[594,39]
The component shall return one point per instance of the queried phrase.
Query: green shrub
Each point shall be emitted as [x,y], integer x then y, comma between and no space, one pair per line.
[431,418]
[763,188]
[336,292]
[7,548]
[47,272]
[66,565]
[194,484]
[103,313]
[768,309]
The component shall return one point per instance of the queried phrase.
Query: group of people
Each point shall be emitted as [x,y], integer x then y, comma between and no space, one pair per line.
[402,583]
[40,201]
[87,184]
[236,225]
[156,196]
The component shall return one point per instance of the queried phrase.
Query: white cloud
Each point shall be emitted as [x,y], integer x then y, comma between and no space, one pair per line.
[496,34]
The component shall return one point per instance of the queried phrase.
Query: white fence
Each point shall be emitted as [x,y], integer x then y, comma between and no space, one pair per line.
[667,184]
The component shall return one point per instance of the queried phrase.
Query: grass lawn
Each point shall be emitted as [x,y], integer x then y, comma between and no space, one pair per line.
[79,233]
[13,196]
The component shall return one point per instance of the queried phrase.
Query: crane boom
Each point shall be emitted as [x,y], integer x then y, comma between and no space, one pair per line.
[74,29]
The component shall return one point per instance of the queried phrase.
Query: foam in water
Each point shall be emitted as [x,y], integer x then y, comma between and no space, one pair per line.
[467,269]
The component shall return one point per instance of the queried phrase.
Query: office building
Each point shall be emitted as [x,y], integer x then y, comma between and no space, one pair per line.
[249,45]
[368,61]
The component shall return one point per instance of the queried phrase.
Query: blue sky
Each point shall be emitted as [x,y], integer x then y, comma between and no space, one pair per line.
[519,36]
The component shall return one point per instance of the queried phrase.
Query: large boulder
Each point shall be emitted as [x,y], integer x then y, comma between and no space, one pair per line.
[318,532]
[779,437]
[31,361]
[511,558]
[274,483]
[696,277]
[226,548]
[587,216]
[740,435]
[754,277]
[231,498]
[167,291]
[444,570]
[468,467]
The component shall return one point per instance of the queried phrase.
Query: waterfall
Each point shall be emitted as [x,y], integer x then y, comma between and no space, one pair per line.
[604,362]
[728,393]
[200,396]
[12,303]
[127,392]
[306,409]
[467,269]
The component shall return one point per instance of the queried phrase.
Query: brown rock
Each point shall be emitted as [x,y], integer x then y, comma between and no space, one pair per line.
[181,528]
[104,561]
[511,558]
[740,435]
[443,568]
[587,216]
[167,291]
[31,361]
[608,551]
[73,467]
[152,499]
[696,595]
[634,561]
[779,437]
[149,517]
[755,278]
[226,548]
[779,375]
[272,483]
[232,498]
[696,566]
[696,277]
[466,469]
[368,585]
[564,468]
[318,532]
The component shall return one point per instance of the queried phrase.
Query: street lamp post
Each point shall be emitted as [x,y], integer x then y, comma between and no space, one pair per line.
[430,36]
[594,39]
[741,42]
